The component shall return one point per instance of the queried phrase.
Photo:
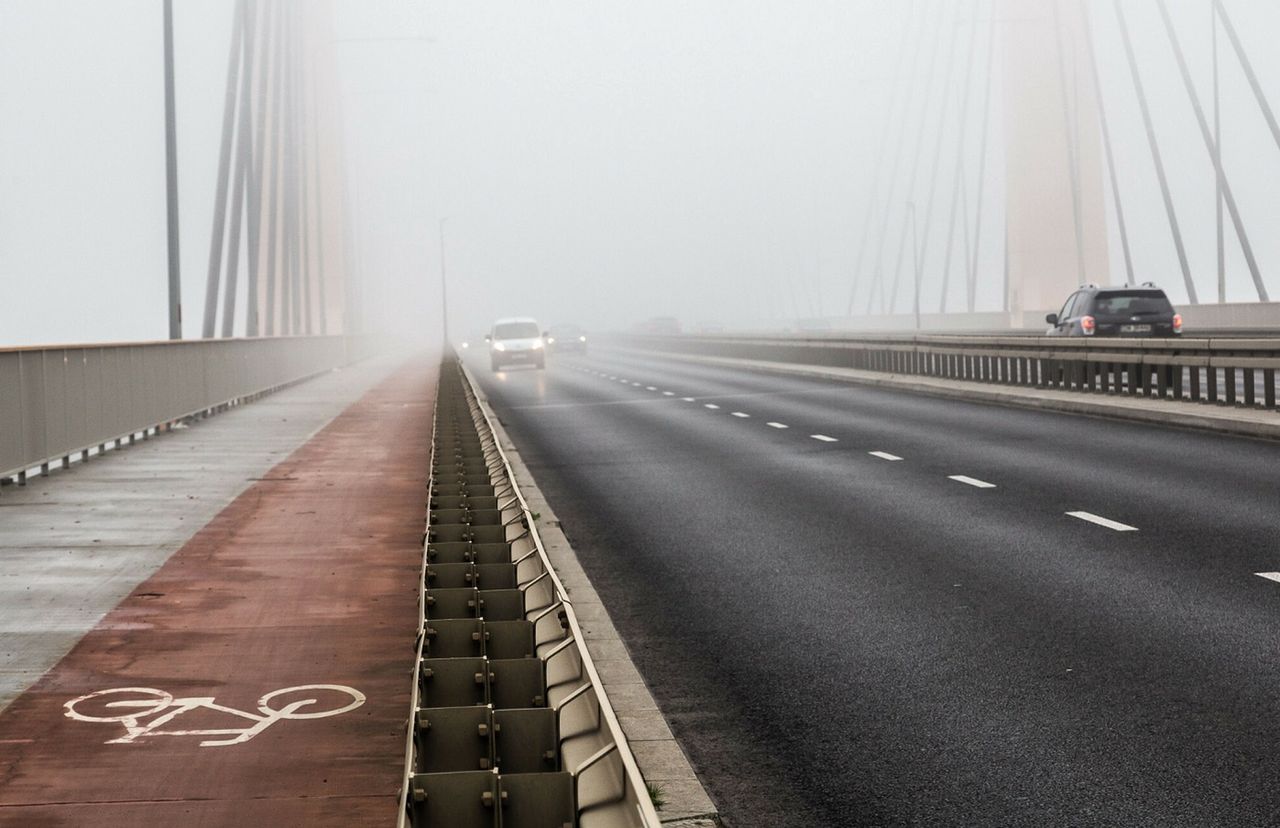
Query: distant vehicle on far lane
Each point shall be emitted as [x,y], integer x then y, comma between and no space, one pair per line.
[659,325]
[566,338]
[1116,311]
[517,340]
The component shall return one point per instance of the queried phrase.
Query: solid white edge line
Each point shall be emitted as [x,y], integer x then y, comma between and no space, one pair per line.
[971,481]
[884,455]
[777,425]
[1101,521]
[824,438]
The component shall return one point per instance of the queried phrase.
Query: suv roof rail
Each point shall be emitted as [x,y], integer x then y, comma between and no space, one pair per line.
[1090,286]
[1150,284]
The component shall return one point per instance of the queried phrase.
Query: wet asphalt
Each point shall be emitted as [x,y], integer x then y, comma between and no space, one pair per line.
[842,639]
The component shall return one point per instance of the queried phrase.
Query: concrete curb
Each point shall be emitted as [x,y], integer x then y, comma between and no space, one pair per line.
[661,759]
[1240,422]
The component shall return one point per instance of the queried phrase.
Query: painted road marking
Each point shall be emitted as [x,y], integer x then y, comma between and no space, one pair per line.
[710,405]
[138,703]
[687,399]
[971,481]
[636,384]
[668,393]
[740,414]
[1101,521]
[824,438]
[1270,576]
[884,455]
[777,425]
[650,388]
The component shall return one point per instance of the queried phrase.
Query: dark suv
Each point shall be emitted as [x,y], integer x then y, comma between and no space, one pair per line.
[1119,311]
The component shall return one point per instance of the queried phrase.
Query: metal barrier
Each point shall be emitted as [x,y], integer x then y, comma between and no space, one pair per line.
[1230,371]
[509,725]
[57,401]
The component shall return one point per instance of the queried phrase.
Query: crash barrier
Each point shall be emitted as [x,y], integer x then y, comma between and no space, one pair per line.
[509,725]
[59,401]
[1226,371]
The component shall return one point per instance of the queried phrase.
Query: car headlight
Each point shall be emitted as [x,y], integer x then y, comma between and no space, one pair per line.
[499,346]
[551,340]
[537,343]
[582,339]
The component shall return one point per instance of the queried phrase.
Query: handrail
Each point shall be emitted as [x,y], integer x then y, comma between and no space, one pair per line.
[1222,370]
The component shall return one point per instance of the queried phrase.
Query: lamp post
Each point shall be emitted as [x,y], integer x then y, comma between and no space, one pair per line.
[171,178]
[444,287]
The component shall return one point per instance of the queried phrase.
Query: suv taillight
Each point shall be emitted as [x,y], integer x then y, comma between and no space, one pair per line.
[1177,323]
[1088,324]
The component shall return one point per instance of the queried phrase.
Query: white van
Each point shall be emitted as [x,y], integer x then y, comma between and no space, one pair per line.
[516,341]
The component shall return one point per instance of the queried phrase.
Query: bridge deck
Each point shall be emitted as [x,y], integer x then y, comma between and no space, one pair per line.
[306,578]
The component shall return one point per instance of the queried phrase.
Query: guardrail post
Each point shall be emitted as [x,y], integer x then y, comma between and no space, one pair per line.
[1269,389]
[1212,376]
[1229,379]
[1250,389]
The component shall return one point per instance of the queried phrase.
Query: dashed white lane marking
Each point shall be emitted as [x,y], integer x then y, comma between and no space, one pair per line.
[687,399]
[740,414]
[710,405]
[824,438]
[884,455]
[636,384]
[1270,576]
[971,481]
[668,393]
[650,388]
[1101,521]
[777,425]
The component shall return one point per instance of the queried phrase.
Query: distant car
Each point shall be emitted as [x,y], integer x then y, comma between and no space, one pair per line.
[1116,311]
[516,341]
[566,339]
[661,325]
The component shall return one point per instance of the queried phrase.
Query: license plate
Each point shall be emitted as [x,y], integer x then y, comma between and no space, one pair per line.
[1135,329]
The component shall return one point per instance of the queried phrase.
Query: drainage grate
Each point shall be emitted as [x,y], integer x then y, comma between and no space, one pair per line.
[510,725]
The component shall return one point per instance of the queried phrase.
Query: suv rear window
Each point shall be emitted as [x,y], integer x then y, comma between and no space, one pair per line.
[516,330]
[1131,302]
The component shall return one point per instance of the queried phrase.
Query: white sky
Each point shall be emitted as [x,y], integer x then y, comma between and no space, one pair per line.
[599,162]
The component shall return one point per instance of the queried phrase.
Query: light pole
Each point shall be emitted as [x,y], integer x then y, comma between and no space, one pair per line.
[915,261]
[444,287]
[171,177]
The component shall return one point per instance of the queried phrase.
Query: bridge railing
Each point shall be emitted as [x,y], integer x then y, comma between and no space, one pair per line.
[1229,371]
[59,401]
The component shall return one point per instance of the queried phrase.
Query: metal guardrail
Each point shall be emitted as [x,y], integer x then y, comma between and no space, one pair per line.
[59,401]
[510,726]
[1229,371]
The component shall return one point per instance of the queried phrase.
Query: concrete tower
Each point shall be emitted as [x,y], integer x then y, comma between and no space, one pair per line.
[1057,227]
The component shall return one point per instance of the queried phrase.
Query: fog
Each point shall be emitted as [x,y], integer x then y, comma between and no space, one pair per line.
[597,163]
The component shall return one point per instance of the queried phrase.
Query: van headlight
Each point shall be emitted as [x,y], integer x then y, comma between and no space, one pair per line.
[499,346]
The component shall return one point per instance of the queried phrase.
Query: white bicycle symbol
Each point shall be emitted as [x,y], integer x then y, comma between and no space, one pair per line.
[144,702]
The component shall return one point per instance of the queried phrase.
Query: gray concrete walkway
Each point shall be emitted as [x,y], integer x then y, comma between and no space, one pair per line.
[75,543]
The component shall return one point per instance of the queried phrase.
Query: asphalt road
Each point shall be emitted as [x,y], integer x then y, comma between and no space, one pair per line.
[842,638]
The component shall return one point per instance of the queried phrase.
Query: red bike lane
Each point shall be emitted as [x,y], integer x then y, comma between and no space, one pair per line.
[307,578]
